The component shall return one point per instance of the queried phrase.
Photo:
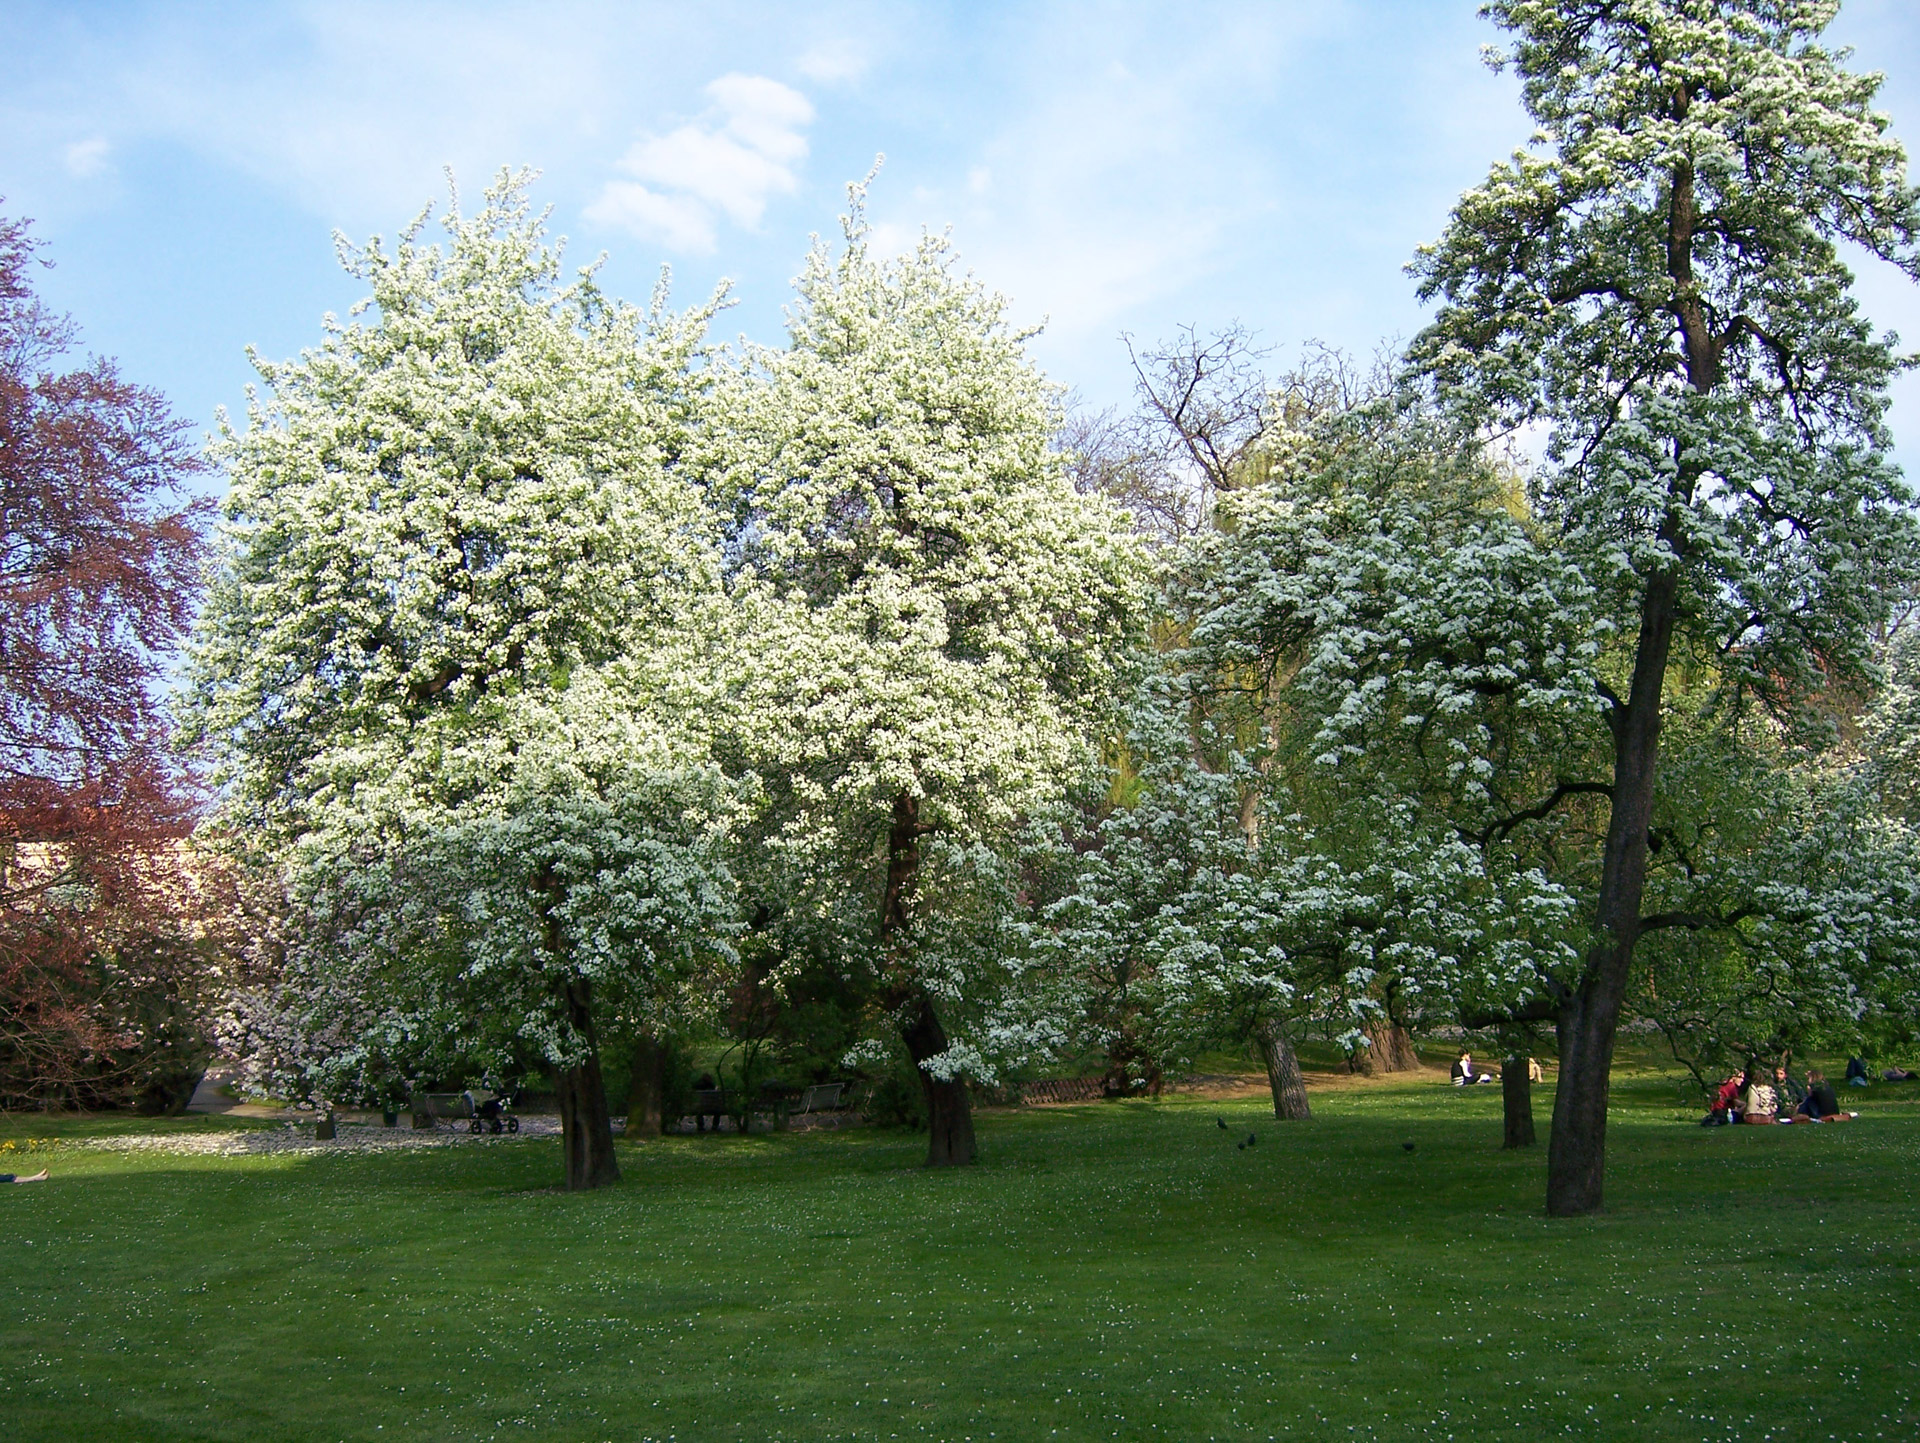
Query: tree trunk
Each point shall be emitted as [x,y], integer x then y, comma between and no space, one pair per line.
[949,1109]
[586,1127]
[1516,1093]
[1283,1071]
[1389,1049]
[1576,1152]
[645,1087]
[1400,1050]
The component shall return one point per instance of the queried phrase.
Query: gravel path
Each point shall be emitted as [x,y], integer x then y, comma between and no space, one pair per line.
[298,1137]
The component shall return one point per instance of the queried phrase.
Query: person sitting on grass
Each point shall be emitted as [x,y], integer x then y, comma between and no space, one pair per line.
[1856,1072]
[1727,1102]
[1464,1076]
[1732,1096]
[1762,1105]
[1789,1093]
[1820,1104]
[40,1176]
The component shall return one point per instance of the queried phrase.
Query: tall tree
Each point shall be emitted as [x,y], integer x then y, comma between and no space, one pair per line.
[457,527]
[1374,651]
[1658,280]
[101,545]
[935,622]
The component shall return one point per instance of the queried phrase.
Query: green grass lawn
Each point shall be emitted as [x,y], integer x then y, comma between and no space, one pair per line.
[1109,1271]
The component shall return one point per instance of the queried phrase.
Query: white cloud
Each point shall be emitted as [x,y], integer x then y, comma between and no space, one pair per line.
[731,162]
[834,62]
[682,222]
[354,107]
[86,158]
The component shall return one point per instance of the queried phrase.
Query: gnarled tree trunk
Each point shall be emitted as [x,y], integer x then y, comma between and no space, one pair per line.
[1283,1071]
[949,1109]
[647,1082]
[586,1126]
[1389,1049]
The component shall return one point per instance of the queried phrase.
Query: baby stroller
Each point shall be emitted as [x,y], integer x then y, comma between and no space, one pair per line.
[490,1112]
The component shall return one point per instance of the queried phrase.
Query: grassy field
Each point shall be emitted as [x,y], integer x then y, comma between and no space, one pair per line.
[1109,1271]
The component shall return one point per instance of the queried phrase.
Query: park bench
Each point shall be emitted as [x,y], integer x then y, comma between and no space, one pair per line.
[481,1111]
[713,1103]
[822,1097]
[708,1102]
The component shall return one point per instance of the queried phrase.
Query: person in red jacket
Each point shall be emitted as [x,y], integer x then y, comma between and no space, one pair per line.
[1727,1102]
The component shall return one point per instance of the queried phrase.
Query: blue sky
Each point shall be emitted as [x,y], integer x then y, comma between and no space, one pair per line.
[1110,167]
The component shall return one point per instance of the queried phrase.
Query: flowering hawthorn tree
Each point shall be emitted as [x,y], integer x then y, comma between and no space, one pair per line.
[936,621]
[1658,281]
[1373,653]
[457,533]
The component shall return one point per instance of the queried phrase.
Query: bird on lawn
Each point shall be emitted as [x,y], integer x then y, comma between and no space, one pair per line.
[1252,1139]
[1221,1122]
[1408,1146]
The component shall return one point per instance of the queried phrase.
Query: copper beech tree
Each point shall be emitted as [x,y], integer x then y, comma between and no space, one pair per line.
[100,554]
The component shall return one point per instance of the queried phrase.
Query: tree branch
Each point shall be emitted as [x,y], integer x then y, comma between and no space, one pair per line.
[1540,1009]
[1504,828]
[1695,921]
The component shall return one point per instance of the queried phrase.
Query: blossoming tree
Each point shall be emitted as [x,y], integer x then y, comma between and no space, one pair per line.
[1658,281]
[454,644]
[935,620]
[1372,656]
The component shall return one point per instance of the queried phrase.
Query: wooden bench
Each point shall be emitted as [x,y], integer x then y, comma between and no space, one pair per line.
[1063,1089]
[713,1102]
[708,1102]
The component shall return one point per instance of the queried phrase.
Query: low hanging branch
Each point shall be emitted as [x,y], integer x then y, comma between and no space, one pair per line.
[1499,831]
